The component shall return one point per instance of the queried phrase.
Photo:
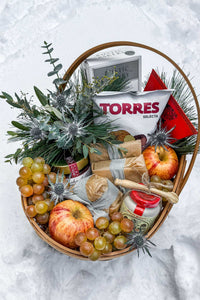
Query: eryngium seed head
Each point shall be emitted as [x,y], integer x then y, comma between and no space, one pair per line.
[61,101]
[138,241]
[161,137]
[36,133]
[59,188]
[73,129]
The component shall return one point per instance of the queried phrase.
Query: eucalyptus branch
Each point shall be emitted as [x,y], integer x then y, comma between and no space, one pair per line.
[52,61]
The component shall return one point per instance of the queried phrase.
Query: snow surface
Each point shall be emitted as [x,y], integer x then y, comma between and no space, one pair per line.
[30,269]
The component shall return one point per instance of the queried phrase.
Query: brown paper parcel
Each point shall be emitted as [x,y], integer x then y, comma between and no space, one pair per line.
[133,149]
[98,194]
[131,168]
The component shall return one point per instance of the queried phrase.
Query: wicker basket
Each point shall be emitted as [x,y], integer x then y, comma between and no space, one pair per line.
[181,177]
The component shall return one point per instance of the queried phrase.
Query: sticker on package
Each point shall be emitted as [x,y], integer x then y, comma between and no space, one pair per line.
[135,113]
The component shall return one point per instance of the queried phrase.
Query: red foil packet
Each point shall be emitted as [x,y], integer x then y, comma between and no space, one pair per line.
[173,115]
[72,166]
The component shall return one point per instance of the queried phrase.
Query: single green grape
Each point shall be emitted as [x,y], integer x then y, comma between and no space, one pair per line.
[21,181]
[100,243]
[25,172]
[107,249]
[38,177]
[39,160]
[102,223]
[80,238]
[41,207]
[30,211]
[109,236]
[50,204]
[115,227]
[155,178]
[36,167]
[117,216]
[92,233]
[37,198]
[120,242]
[46,169]
[52,176]
[42,218]
[26,190]
[126,225]
[86,249]
[95,255]
[27,162]
[38,188]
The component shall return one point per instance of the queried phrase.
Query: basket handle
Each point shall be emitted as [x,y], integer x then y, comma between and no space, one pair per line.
[100,47]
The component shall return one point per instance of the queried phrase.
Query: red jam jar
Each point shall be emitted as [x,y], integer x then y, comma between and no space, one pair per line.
[142,208]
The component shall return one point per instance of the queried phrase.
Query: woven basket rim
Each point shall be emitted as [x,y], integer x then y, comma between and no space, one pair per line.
[181,177]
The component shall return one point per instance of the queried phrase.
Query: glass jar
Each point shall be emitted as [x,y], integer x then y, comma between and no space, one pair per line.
[142,208]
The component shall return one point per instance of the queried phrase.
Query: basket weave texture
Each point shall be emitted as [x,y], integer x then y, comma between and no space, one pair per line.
[181,177]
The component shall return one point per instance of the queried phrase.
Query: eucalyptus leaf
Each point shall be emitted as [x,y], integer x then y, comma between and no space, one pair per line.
[9,155]
[78,143]
[57,68]
[48,51]
[53,60]
[116,142]
[17,154]
[52,109]
[18,98]
[59,81]
[88,140]
[123,150]
[12,133]
[46,45]
[92,150]
[7,96]
[85,151]
[51,73]
[14,104]
[8,160]
[20,126]
[120,153]
[42,98]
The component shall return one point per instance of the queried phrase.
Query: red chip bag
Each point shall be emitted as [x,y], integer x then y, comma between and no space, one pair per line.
[173,115]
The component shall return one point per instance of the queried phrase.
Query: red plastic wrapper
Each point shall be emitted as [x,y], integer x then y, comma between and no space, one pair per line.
[173,115]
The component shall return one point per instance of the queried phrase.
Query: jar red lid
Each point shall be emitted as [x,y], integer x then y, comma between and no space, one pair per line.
[144,199]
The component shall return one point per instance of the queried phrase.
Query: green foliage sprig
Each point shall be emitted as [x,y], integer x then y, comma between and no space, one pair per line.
[64,123]
[52,61]
[184,97]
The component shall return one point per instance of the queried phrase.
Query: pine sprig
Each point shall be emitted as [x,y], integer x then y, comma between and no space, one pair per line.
[48,150]
[118,85]
[184,97]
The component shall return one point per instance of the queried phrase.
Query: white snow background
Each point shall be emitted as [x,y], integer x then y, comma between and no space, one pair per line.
[29,268]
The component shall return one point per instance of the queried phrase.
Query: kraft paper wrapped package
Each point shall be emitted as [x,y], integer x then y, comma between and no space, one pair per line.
[98,194]
[133,149]
[131,168]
